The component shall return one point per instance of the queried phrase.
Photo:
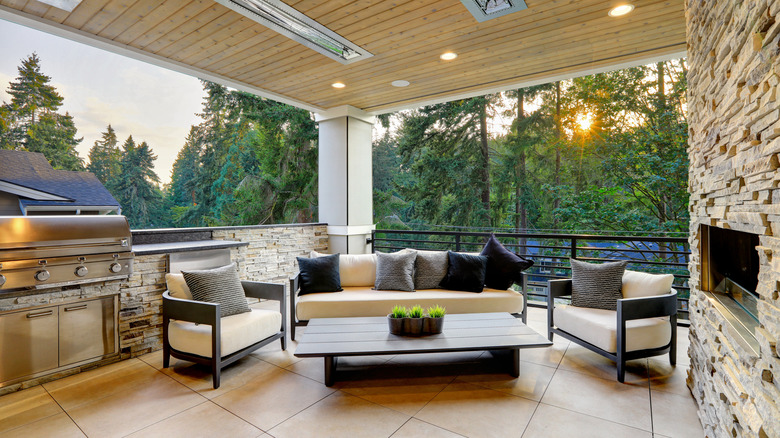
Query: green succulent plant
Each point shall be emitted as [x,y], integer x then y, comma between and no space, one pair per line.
[416,312]
[399,312]
[436,311]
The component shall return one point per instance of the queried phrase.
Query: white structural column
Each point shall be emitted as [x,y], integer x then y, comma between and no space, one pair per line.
[346,178]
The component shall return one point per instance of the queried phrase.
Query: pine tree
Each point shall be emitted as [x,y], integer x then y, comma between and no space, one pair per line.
[136,187]
[104,157]
[30,121]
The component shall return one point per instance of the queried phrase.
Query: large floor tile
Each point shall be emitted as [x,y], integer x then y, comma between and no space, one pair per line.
[548,356]
[582,360]
[134,408]
[273,354]
[117,378]
[341,415]
[667,378]
[675,415]
[531,383]
[415,428]
[59,425]
[272,397]
[475,411]
[20,408]
[198,377]
[395,389]
[314,368]
[205,420]
[602,398]
[549,421]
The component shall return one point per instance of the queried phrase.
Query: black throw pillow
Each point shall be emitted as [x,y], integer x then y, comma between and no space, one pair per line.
[503,267]
[465,272]
[319,274]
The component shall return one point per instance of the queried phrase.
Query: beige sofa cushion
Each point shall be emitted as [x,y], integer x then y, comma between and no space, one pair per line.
[641,284]
[599,327]
[237,332]
[355,269]
[178,287]
[362,301]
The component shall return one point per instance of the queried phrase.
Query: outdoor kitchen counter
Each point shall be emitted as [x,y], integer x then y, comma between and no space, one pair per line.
[171,247]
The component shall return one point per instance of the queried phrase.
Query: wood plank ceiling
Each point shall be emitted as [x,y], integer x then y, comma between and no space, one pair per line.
[551,39]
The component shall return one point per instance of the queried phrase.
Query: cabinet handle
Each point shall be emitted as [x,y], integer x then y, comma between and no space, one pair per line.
[74,308]
[40,314]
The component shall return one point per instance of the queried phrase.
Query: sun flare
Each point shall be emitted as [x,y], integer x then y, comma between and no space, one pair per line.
[584,121]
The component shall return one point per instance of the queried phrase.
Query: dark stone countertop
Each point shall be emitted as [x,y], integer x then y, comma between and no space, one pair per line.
[199,245]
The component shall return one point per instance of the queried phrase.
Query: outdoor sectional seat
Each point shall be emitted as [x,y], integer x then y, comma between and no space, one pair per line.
[359,299]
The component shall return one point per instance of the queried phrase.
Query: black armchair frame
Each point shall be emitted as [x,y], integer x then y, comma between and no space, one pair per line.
[295,288]
[201,312]
[627,309]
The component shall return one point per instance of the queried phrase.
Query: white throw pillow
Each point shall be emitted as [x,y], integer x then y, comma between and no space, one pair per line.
[178,287]
[355,269]
[641,284]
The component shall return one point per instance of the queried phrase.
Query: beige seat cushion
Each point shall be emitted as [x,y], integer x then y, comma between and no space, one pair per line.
[355,269]
[599,327]
[237,332]
[641,284]
[178,287]
[362,301]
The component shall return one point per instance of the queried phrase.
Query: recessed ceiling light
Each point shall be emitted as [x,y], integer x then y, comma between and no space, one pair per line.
[65,5]
[400,83]
[617,11]
[449,56]
[337,85]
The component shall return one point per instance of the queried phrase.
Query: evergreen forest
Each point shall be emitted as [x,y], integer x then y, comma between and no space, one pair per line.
[602,153]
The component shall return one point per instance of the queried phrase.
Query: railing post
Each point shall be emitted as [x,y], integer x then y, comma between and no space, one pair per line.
[574,247]
[457,242]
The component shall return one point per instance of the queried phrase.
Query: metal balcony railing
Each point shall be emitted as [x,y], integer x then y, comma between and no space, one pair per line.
[551,252]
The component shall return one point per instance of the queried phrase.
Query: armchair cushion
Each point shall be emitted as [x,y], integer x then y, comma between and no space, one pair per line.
[597,286]
[354,269]
[641,284]
[178,287]
[599,327]
[218,285]
[237,332]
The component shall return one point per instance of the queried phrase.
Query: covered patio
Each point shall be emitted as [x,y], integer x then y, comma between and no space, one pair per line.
[723,384]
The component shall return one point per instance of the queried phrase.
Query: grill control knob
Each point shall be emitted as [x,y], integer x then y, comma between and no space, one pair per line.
[115,267]
[81,271]
[42,275]
[2,280]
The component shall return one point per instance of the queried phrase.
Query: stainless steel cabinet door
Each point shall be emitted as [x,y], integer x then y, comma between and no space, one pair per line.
[28,342]
[86,330]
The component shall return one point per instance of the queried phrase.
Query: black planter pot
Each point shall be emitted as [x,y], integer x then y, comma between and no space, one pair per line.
[396,325]
[433,326]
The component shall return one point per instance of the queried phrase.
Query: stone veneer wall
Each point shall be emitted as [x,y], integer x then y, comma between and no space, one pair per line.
[734,116]
[270,256]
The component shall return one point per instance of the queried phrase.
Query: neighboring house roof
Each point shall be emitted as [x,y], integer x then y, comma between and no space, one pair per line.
[30,176]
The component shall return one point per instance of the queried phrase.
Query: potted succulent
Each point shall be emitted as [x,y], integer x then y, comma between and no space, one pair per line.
[396,320]
[434,321]
[413,325]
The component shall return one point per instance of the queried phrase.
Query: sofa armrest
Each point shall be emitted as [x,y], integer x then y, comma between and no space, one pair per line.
[295,287]
[647,307]
[269,291]
[199,312]
[558,288]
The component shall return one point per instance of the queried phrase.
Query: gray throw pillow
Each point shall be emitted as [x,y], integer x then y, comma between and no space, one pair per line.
[429,269]
[395,271]
[218,285]
[597,286]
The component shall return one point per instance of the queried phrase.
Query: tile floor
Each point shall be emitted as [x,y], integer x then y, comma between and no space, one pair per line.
[562,391]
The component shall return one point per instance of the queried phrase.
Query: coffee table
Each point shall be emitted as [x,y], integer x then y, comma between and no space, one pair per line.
[334,337]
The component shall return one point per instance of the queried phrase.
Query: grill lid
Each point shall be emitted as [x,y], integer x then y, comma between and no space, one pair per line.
[35,237]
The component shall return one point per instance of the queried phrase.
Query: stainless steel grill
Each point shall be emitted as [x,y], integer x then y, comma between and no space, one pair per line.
[38,252]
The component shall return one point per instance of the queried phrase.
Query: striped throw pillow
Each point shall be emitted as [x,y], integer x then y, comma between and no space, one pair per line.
[597,286]
[218,285]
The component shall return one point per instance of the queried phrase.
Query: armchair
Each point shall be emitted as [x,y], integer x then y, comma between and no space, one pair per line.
[194,331]
[640,327]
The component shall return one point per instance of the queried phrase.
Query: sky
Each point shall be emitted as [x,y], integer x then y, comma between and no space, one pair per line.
[100,88]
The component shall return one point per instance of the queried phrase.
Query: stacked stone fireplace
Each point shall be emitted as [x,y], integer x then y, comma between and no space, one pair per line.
[734,116]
